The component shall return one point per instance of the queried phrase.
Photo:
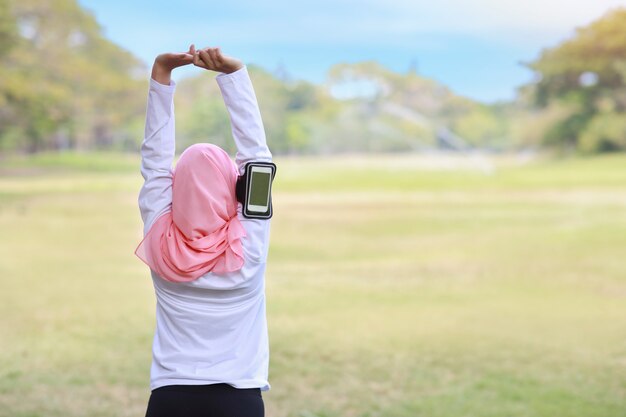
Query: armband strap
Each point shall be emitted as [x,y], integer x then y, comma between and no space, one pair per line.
[240,189]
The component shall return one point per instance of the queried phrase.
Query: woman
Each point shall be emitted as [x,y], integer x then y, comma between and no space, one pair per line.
[210,351]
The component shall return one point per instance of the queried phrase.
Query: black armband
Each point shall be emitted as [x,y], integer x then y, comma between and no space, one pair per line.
[254,190]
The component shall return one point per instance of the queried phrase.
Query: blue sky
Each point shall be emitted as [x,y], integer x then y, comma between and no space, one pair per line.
[473,46]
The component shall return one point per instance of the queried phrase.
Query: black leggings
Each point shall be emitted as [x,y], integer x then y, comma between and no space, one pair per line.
[214,400]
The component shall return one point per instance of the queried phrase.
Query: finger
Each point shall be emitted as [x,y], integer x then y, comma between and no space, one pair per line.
[196,58]
[200,63]
[219,56]
[204,49]
[194,54]
[207,59]
[213,54]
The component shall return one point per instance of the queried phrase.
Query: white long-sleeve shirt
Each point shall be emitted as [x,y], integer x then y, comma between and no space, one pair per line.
[212,329]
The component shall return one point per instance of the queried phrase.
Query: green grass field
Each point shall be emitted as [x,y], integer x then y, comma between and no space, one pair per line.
[391,290]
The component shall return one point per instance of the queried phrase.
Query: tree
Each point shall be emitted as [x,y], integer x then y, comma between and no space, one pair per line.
[62,83]
[586,75]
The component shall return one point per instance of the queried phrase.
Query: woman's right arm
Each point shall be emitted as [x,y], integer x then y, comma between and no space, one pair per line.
[249,135]
[248,132]
[245,117]
[241,102]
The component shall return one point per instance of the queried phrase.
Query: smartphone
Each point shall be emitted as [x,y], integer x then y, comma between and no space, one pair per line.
[254,189]
[258,199]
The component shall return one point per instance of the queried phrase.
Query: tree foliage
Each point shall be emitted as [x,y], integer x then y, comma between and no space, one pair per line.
[587,75]
[62,84]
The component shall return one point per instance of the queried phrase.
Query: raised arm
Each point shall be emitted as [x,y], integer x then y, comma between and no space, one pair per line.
[157,153]
[245,117]
[241,102]
[158,145]
[248,133]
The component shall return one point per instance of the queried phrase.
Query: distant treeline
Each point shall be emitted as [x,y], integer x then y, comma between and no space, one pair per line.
[64,86]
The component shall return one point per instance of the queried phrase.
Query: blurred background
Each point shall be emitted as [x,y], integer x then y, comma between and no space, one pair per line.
[450,205]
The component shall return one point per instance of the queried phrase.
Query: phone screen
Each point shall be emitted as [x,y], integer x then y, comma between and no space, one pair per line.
[259,188]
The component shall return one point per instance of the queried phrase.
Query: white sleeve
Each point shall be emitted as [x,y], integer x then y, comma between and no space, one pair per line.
[249,136]
[245,117]
[157,153]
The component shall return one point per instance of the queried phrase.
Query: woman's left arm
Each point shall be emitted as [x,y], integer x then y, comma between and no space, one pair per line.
[157,153]
[158,145]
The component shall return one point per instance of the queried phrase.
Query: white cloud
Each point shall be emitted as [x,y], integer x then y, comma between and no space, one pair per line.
[362,21]
[459,42]
[310,22]
[490,15]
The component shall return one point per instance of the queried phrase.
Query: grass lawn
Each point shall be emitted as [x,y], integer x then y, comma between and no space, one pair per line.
[392,290]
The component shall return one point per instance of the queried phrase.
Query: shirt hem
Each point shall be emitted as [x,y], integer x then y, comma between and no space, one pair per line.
[237,384]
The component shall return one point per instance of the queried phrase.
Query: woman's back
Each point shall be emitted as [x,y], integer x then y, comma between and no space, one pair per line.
[212,329]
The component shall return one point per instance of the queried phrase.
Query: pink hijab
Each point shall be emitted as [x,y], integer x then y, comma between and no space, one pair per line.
[202,232]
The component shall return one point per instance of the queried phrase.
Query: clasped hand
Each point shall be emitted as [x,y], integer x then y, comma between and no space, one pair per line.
[207,58]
